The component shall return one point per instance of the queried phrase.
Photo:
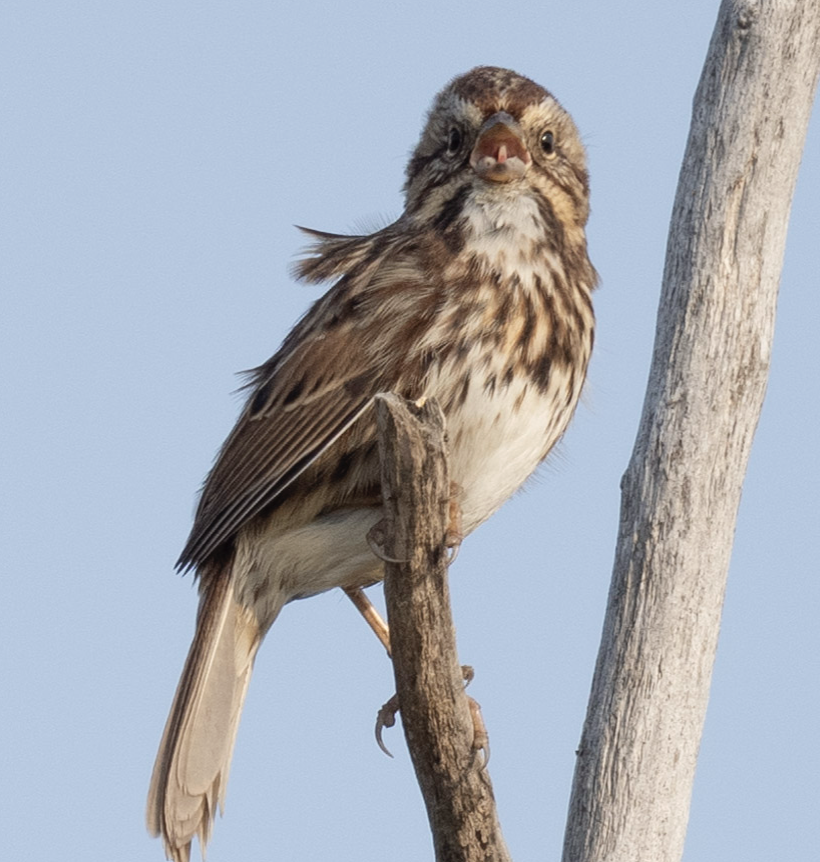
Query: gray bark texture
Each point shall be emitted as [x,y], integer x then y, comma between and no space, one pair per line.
[435,712]
[681,490]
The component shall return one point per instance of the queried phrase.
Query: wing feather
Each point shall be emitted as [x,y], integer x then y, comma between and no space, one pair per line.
[317,387]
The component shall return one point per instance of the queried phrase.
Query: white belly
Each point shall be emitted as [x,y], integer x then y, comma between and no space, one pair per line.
[498,439]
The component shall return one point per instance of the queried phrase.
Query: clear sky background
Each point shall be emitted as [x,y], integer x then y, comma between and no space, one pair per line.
[153,159]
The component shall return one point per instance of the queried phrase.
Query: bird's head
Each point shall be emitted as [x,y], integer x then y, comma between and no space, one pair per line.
[494,132]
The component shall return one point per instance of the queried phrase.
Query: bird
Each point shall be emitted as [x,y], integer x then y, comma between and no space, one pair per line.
[479,295]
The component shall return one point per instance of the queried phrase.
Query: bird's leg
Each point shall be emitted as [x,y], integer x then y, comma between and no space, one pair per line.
[387,714]
[372,617]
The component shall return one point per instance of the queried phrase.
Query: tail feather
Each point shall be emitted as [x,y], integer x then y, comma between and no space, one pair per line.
[191,770]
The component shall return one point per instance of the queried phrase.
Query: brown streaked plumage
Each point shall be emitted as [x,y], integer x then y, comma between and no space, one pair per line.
[478,295]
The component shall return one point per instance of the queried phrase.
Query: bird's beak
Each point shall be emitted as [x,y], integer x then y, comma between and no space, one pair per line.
[500,154]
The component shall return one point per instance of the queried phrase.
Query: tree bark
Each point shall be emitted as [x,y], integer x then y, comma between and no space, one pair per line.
[681,490]
[429,684]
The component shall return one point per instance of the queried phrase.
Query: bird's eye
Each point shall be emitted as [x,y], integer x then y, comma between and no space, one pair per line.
[548,143]
[454,140]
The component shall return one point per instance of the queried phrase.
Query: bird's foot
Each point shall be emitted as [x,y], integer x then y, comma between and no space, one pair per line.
[386,718]
[455,532]
[375,538]
[481,741]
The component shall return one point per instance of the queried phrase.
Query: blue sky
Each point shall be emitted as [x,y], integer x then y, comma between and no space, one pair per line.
[153,161]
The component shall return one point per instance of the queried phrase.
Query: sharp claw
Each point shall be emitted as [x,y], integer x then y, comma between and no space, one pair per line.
[454,536]
[453,542]
[481,740]
[386,718]
[375,536]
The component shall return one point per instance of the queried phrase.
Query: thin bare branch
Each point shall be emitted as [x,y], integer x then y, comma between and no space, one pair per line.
[429,683]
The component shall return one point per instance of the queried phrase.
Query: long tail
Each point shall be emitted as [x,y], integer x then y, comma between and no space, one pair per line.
[191,770]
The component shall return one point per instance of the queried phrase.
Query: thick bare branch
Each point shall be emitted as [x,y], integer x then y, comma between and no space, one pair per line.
[681,491]
[434,708]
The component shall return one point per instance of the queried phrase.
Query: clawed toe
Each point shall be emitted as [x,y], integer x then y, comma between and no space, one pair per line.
[455,535]
[481,740]
[386,718]
[375,538]
[452,541]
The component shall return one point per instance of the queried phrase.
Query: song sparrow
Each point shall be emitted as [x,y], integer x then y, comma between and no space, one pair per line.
[479,296]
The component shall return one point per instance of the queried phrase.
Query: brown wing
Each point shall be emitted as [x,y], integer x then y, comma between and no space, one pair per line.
[304,404]
[316,387]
